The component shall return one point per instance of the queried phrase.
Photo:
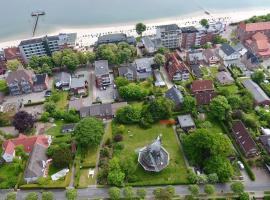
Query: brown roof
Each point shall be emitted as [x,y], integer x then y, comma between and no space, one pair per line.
[259,26]
[12,53]
[19,74]
[174,65]
[202,85]
[205,98]
[242,136]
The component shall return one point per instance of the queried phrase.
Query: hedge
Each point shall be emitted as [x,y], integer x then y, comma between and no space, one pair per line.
[34,103]
[247,168]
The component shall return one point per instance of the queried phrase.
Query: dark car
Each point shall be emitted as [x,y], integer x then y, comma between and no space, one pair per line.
[48,93]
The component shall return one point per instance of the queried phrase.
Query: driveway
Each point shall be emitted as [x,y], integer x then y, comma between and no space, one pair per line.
[166,77]
[106,96]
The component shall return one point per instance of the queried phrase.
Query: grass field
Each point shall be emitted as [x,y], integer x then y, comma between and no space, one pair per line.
[136,138]
[233,89]
[63,101]
[55,130]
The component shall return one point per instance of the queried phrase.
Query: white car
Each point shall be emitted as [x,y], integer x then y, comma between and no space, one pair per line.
[240,164]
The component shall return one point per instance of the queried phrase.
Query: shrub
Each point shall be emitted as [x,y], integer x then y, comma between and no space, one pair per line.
[118,138]
[128,192]
[31,196]
[237,187]
[71,194]
[114,193]
[11,196]
[141,193]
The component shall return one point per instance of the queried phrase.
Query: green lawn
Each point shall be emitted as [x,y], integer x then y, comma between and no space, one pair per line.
[85,181]
[63,101]
[55,130]
[8,175]
[136,138]
[232,88]
[209,72]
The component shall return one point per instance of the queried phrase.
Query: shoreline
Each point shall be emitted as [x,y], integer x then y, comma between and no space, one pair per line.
[86,36]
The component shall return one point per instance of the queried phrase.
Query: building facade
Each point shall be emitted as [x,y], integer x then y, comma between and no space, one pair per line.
[170,36]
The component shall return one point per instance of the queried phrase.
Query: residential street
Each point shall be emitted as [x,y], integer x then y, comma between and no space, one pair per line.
[93,192]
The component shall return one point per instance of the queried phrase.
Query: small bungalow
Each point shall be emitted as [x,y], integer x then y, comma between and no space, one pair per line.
[63,81]
[186,122]
[67,128]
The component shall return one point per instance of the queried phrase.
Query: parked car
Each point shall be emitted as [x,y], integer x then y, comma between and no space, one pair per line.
[48,93]
[240,164]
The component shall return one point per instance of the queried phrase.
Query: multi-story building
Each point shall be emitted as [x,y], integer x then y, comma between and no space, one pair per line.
[45,45]
[190,37]
[170,36]
[102,73]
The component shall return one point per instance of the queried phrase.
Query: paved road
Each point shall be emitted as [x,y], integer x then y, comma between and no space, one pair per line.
[93,192]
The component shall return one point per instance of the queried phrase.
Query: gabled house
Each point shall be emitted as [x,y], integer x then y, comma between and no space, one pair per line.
[203,90]
[259,45]
[102,111]
[144,68]
[151,45]
[102,73]
[175,95]
[186,122]
[28,142]
[25,81]
[37,164]
[176,69]
[129,72]
[79,84]
[224,78]
[251,61]
[243,139]
[196,70]
[195,57]
[259,96]
[210,57]
[228,55]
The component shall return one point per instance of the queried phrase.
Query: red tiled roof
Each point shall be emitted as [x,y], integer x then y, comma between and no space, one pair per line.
[259,26]
[174,65]
[27,142]
[202,85]
[12,53]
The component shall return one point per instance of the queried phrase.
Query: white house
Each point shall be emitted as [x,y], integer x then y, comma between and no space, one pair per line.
[229,55]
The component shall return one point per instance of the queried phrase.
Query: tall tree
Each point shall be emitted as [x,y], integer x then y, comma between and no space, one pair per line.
[258,76]
[23,121]
[71,61]
[62,157]
[159,59]
[204,23]
[88,132]
[189,104]
[13,65]
[220,108]
[140,28]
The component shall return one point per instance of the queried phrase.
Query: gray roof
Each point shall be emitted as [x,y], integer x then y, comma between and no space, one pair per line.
[101,110]
[189,29]
[175,95]
[144,63]
[39,40]
[148,43]
[186,121]
[36,161]
[257,93]
[224,77]
[227,49]
[76,104]
[265,140]
[154,157]
[101,67]
[40,79]
[63,77]
[123,70]
[196,70]
[77,82]
[66,127]
[67,38]
[169,27]
[196,55]
[116,38]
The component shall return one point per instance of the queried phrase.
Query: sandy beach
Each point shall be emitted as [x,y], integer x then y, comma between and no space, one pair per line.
[88,36]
